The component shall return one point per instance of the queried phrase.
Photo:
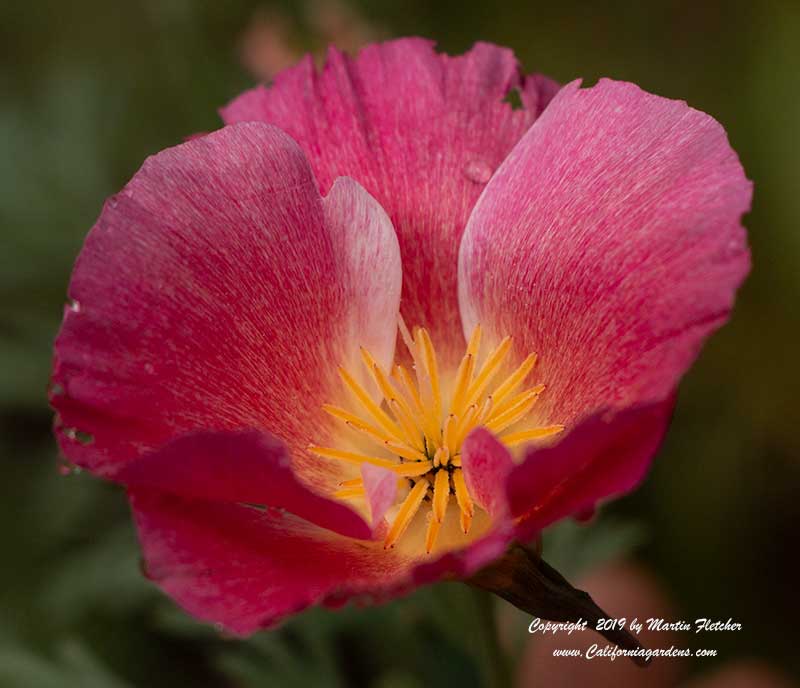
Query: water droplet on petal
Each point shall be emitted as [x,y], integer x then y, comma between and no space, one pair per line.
[478,171]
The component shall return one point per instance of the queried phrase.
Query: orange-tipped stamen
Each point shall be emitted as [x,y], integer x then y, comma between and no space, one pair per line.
[449,432]
[407,511]
[350,493]
[355,482]
[441,495]
[512,439]
[513,415]
[413,470]
[432,533]
[411,433]
[432,367]
[371,407]
[515,379]
[513,401]
[490,368]
[421,438]
[350,457]
[463,380]
[474,342]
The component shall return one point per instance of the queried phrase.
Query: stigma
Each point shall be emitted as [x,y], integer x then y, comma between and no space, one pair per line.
[417,425]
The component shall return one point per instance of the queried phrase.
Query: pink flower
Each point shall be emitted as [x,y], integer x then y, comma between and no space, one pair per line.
[228,353]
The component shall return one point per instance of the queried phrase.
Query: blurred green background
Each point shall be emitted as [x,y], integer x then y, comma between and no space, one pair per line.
[88,89]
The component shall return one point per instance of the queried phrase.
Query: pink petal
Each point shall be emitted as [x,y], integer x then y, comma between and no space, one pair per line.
[219,291]
[610,243]
[604,456]
[423,133]
[380,485]
[248,467]
[486,464]
[246,569]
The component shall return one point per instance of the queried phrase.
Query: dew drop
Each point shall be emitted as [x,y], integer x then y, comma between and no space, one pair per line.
[732,249]
[74,306]
[478,171]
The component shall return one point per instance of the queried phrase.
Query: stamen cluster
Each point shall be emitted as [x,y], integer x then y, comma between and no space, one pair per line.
[419,439]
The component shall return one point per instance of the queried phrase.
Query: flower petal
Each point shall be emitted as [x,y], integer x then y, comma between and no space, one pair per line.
[604,456]
[246,569]
[244,467]
[609,242]
[422,132]
[380,485]
[487,463]
[219,290]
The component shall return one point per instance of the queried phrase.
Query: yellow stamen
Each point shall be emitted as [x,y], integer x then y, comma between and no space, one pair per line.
[432,533]
[424,419]
[512,381]
[407,511]
[466,424]
[408,387]
[413,470]
[355,422]
[355,482]
[405,334]
[489,370]
[379,438]
[462,494]
[433,371]
[474,342]
[350,457]
[371,407]
[513,401]
[404,416]
[463,379]
[514,414]
[441,495]
[486,411]
[341,414]
[412,423]
[378,375]
[349,493]
[465,519]
[449,432]
[515,438]
[405,451]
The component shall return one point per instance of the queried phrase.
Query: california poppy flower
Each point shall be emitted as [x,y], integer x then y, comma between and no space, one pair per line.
[230,352]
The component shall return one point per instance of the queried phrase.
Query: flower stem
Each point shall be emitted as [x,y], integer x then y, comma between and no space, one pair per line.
[495,665]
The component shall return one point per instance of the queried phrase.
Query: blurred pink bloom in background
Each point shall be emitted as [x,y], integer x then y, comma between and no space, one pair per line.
[268,44]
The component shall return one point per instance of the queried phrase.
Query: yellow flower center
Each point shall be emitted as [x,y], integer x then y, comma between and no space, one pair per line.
[418,428]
